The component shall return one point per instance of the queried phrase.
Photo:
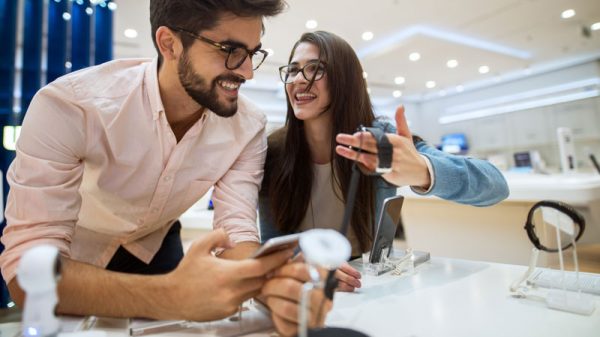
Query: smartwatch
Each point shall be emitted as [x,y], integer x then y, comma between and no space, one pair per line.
[384,150]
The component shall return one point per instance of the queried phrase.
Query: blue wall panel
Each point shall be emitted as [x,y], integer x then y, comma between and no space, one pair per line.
[103,35]
[80,36]
[57,40]
[8,36]
[32,51]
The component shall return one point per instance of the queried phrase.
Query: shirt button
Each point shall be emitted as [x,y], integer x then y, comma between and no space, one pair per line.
[167,178]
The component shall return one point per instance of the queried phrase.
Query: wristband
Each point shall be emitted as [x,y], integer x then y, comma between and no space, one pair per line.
[384,150]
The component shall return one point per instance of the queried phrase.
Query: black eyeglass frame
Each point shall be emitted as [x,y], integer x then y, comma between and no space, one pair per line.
[301,70]
[577,218]
[227,49]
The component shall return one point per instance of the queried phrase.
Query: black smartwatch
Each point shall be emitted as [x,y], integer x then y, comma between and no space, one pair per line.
[568,210]
[384,150]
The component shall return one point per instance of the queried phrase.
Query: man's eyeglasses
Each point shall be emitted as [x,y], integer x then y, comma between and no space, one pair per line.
[312,71]
[236,55]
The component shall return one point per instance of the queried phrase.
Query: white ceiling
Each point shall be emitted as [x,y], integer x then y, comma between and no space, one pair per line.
[522,37]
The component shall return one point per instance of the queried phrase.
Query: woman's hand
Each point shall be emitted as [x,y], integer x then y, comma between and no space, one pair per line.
[348,278]
[408,166]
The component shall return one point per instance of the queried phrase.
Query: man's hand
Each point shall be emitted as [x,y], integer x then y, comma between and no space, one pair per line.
[282,294]
[408,167]
[205,287]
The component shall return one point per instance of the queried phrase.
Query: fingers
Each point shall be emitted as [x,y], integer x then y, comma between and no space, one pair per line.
[209,242]
[298,271]
[345,287]
[368,160]
[287,310]
[367,143]
[284,288]
[401,124]
[347,282]
[282,295]
[263,265]
[283,326]
[348,269]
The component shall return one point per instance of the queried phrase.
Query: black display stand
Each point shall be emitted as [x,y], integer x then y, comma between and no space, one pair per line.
[335,332]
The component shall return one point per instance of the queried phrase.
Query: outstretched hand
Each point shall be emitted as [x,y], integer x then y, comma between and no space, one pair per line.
[408,167]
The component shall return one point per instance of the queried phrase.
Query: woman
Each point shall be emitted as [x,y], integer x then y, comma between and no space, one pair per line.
[305,182]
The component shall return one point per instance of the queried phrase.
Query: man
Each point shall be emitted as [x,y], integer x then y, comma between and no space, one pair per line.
[110,156]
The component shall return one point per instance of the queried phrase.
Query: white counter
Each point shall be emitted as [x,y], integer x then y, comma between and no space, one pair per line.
[446,297]
[496,233]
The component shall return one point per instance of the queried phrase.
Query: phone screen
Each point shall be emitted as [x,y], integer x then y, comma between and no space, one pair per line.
[277,244]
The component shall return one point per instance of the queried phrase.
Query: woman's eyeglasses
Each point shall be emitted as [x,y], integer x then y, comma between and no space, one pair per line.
[312,71]
[236,55]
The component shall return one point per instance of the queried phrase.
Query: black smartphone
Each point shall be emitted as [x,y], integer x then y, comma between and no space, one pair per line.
[277,244]
[388,222]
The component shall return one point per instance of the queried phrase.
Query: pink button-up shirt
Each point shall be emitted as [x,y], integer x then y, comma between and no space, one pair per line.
[97,167]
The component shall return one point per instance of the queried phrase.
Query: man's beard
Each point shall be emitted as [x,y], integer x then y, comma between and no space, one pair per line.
[195,86]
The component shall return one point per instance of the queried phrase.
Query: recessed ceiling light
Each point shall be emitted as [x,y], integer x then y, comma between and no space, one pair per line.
[595,26]
[365,75]
[311,24]
[414,56]
[397,93]
[367,36]
[399,80]
[452,63]
[130,33]
[484,69]
[112,6]
[68,65]
[569,13]
[89,11]
[430,84]
[460,88]
[66,16]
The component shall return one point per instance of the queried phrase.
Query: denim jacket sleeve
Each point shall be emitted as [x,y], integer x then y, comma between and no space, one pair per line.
[460,179]
[463,179]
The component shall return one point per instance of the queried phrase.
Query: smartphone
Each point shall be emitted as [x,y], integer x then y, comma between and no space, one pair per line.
[389,219]
[276,244]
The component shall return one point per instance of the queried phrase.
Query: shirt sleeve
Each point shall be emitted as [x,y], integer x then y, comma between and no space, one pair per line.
[236,193]
[44,178]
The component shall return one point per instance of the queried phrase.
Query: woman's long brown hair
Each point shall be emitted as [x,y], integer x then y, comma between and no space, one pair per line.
[288,171]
